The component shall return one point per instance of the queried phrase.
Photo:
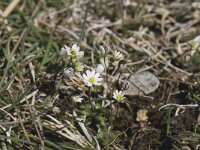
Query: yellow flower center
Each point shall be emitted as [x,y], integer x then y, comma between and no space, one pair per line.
[73,52]
[91,80]
[119,98]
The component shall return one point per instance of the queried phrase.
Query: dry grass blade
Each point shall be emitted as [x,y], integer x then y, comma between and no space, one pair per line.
[10,8]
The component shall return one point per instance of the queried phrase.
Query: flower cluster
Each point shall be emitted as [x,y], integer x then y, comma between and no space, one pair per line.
[92,77]
[74,54]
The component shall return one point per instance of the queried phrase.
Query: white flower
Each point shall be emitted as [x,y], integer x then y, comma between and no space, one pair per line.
[78,66]
[100,68]
[118,95]
[74,51]
[77,99]
[68,72]
[118,56]
[91,78]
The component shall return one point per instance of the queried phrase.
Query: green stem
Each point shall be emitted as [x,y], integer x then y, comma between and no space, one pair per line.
[92,107]
[106,69]
[117,111]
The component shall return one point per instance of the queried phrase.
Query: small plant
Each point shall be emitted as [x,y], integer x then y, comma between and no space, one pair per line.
[90,78]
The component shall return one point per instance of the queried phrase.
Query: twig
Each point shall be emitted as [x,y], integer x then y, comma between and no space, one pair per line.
[178,107]
[84,23]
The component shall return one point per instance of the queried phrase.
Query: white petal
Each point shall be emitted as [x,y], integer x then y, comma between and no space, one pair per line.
[88,72]
[96,75]
[89,84]
[63,51]
[74,46]
[68,52]
[99,79]
[85,77]
[77,48]
[92,73]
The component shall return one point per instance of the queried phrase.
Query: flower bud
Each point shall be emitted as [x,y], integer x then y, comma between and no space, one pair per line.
[68,72]
[100,68]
